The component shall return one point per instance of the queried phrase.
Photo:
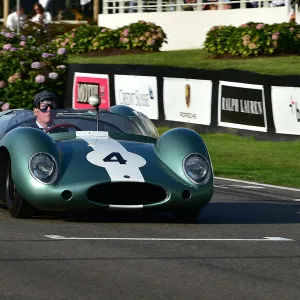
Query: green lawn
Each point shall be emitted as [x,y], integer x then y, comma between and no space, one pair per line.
[288,65]
[245,158]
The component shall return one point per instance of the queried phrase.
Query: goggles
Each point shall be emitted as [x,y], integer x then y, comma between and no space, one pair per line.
[43,106]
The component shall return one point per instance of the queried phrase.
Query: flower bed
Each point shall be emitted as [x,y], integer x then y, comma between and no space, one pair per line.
[253,39]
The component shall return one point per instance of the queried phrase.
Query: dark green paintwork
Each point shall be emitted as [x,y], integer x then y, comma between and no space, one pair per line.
[164,158]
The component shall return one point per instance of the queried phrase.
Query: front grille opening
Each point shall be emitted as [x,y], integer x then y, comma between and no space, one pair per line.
[127,193]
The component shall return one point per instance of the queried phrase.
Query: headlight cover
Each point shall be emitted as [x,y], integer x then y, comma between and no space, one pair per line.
[196,168]
[43,167]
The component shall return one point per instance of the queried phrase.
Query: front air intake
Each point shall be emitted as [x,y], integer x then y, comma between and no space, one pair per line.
[127,193]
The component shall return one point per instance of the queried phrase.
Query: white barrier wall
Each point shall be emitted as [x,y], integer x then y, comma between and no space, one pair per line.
[187,29]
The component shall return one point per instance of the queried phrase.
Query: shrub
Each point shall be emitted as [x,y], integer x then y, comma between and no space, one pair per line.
[27,68]
[78,40]
[143,35]
[253,39]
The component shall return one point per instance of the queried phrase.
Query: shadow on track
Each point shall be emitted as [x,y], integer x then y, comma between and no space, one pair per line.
[250,213]
[214,213]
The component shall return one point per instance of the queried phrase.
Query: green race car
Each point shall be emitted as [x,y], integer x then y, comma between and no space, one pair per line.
[101,160]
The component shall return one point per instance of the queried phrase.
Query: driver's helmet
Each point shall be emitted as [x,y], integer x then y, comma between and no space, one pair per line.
[45,99]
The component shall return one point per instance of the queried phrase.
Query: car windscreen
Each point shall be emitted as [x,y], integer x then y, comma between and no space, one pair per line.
[85,120]
[107,122]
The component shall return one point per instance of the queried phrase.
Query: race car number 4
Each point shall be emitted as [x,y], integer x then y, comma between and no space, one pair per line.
[120,164]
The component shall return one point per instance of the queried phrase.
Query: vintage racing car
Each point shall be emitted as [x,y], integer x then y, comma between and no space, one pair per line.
[101,159]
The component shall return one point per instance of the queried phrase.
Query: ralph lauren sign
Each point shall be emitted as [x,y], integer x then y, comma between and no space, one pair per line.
[242,106]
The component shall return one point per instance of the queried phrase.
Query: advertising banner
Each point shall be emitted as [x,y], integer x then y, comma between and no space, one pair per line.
[138,92]
[242,106]
[88,84]
[187,100]
[286,109]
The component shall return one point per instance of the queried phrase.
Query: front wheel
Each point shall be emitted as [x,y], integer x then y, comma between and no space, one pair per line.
[17,206]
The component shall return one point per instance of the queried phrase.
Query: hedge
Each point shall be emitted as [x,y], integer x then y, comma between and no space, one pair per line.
[253,39]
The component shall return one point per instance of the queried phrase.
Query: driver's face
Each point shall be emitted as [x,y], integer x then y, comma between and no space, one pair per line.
[45,113]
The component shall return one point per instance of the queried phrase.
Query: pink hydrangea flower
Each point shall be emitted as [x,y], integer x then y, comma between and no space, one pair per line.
[259,26]
[7,47]
[40,79]
[61,51]
[23,44]
[36,65]
[14,77]
[53,75]
[252,46]
[150,42]
[2,84]
[10,35]
[125,32]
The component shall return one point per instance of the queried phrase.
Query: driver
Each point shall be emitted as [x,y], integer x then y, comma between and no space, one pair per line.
[44,105]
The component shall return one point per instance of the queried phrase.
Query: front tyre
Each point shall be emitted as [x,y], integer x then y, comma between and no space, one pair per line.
[17,206]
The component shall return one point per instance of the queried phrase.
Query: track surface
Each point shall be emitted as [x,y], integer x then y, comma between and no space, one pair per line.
[34,266]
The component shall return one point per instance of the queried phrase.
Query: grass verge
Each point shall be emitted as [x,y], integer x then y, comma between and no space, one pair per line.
[247,159]
[197,58]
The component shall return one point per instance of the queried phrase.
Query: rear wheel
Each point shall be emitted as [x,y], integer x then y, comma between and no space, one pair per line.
[17,206]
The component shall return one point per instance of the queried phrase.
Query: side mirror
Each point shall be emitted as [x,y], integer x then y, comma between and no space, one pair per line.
[95,101]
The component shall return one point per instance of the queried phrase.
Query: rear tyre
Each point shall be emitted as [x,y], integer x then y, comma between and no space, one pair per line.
[188,215]
[17,206]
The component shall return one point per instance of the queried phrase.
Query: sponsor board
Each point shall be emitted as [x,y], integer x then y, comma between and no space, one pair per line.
[242,106]
[187,100]
[138,92]
[87,84]
[286,109]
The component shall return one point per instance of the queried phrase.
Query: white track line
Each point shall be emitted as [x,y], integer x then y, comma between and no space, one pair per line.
[273,239]
[239,186]
[260,184]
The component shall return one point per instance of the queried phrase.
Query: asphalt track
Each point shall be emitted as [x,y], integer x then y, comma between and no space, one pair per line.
[246,245]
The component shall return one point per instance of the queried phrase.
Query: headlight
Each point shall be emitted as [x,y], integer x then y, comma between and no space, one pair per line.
[196,168]
[43,168]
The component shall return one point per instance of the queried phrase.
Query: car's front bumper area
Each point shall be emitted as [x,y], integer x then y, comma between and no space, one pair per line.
[118,195]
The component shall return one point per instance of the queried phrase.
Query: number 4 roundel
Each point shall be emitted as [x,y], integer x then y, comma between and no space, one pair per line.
[115,157]
[120,164]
